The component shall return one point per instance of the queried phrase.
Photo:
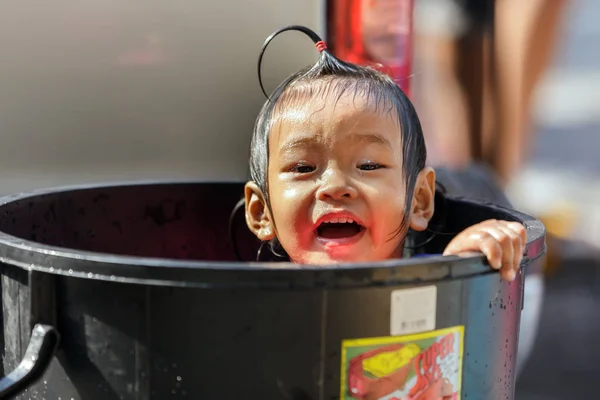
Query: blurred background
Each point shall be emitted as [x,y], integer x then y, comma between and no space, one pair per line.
[94,91]
[545,62]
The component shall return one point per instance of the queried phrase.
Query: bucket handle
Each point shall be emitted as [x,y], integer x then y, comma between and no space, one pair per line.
[40,352]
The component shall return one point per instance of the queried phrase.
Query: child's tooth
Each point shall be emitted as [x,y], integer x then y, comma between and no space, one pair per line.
[339,220]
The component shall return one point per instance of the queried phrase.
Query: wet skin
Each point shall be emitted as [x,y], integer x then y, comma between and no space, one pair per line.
[338,192]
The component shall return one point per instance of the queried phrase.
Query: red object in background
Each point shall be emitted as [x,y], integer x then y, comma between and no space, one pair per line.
[378,33]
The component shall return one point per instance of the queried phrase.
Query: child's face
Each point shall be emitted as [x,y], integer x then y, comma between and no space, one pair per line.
[332,162]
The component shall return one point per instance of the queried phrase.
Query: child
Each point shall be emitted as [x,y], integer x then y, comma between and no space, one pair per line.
[338,171]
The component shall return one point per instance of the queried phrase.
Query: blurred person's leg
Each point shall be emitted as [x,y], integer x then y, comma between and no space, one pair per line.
[475,63]
[443,106]
[525,34]
[542,44]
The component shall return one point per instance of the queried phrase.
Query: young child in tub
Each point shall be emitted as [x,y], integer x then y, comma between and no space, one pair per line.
[338,171]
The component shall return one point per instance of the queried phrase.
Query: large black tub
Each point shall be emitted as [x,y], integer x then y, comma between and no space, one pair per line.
[135,292]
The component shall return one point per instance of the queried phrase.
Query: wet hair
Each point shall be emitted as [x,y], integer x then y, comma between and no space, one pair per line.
[332,76]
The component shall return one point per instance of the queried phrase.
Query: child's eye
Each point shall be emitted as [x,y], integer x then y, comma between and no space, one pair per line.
[369,166]
[302,168]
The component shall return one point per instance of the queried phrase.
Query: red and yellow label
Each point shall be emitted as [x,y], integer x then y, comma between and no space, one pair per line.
[426,366]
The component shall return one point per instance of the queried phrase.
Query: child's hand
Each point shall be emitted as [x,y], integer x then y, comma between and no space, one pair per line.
[502,242]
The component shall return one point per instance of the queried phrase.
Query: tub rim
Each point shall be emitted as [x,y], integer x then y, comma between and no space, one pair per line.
[33,256]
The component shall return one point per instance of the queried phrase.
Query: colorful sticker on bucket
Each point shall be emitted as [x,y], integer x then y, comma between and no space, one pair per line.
[426,366]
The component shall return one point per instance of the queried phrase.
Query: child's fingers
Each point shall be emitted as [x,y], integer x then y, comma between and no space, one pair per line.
[502,242]
[517,248]
[519,237]
[505,241]
[491,248]
[473,239]
[518,228]
[508,274]
[519,245]
[510,242]
[515,239]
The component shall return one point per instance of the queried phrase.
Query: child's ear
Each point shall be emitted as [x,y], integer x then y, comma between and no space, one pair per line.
[423,200]
[257,213]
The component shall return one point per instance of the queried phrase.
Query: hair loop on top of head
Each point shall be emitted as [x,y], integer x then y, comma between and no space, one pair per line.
[319,43]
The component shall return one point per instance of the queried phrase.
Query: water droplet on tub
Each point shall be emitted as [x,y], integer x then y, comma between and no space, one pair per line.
[112,277]
[179,378]
[90,275]
[70,272]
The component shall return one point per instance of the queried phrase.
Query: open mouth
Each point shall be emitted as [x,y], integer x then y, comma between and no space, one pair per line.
[340,229]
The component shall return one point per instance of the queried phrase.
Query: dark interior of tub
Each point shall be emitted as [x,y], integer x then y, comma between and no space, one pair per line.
[179,220]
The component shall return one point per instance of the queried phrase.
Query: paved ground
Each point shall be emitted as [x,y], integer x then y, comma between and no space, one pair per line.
[564,362]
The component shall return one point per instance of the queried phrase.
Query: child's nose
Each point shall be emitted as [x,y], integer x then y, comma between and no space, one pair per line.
[335,185]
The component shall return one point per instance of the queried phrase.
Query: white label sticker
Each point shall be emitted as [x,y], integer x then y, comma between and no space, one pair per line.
[413,310]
